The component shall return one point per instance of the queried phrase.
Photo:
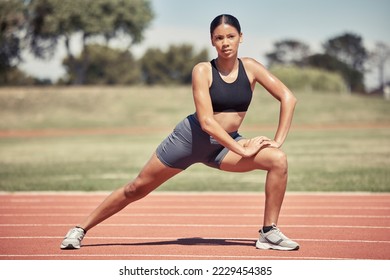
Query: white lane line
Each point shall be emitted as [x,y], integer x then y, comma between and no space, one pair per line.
[164,256]
[200,200]
[199,215]
[174,239]
[201,225]
[259,207]
[197,193]
[179,193]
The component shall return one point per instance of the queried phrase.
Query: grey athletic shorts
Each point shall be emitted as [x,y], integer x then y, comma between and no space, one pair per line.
[189,144]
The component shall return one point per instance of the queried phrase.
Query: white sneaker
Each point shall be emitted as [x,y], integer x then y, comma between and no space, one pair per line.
[275,239]
[73,238]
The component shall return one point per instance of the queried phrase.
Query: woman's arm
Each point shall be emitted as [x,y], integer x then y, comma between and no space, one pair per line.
[278,90]
[201,76]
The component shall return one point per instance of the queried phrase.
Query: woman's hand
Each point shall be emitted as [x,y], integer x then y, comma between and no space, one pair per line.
[254,145]
[273,144]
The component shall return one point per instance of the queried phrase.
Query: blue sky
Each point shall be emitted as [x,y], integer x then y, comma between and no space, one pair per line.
[313,19]
[262,22]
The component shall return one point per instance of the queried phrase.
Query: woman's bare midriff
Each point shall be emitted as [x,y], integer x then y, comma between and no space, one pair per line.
[230,121]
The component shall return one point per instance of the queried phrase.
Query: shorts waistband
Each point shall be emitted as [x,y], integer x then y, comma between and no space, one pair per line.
[194,119]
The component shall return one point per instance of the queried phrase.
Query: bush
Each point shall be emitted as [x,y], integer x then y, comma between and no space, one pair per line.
[310,79]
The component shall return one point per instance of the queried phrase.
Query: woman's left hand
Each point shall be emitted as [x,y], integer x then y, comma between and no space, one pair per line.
[273,144]
[265,142]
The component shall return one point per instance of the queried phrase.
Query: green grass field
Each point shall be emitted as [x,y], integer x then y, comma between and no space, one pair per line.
[337,142]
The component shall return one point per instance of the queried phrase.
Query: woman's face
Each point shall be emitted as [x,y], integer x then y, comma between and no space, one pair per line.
[226,40]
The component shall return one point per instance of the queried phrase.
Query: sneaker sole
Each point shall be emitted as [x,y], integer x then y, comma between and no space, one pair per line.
[69,247]
[269,246]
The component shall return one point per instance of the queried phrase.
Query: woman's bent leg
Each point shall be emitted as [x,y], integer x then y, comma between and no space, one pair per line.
[275,162]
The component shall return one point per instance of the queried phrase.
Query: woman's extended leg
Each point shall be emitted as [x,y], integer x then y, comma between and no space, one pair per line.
[151,176]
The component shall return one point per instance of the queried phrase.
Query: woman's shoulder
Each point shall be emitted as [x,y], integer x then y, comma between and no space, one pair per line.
[202,68]
[254,69]
[251,62]
[203,65]
[252,65]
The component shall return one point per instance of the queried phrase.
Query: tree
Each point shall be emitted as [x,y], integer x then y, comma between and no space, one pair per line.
[53,20]
[107,66]
[378,58]
[153,67]
[349,49]
[180,60]
[288,51]
[11,23]
[352,77]
[173,66]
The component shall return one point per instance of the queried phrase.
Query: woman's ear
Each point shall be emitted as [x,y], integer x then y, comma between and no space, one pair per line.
[241,38]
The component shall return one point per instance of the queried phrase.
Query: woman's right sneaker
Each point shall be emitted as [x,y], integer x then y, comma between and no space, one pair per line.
[275,239]
[73,238]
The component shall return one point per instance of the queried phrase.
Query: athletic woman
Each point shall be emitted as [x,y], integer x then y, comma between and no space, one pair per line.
[222,91]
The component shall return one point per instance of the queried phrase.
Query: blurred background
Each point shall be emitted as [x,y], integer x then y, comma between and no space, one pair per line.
[94,42]
[89,88]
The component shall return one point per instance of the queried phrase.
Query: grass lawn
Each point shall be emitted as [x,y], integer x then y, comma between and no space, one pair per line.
[337,142]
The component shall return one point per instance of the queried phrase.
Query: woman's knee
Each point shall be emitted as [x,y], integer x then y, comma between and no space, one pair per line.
[280,160]
[136,189]
[277,160]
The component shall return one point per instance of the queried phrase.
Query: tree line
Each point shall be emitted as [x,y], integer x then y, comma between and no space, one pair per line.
[39,26]
[344,54]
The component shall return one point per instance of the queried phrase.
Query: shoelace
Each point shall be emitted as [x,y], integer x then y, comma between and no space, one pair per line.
[76,233]
[278,232]
[275,229]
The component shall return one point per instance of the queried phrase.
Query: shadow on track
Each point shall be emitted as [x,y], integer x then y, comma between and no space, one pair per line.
[185,242]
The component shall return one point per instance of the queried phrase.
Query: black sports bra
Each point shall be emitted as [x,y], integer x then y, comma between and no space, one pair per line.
[230,97]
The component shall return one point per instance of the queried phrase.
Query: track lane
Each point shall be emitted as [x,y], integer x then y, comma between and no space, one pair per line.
[196,226]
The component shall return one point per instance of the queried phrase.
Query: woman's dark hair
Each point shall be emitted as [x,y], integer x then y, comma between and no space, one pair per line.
[225,19]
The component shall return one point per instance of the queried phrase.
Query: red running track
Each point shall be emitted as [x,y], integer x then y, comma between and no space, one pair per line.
[196,226]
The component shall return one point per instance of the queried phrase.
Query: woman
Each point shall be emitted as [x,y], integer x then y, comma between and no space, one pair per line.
[222,92]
